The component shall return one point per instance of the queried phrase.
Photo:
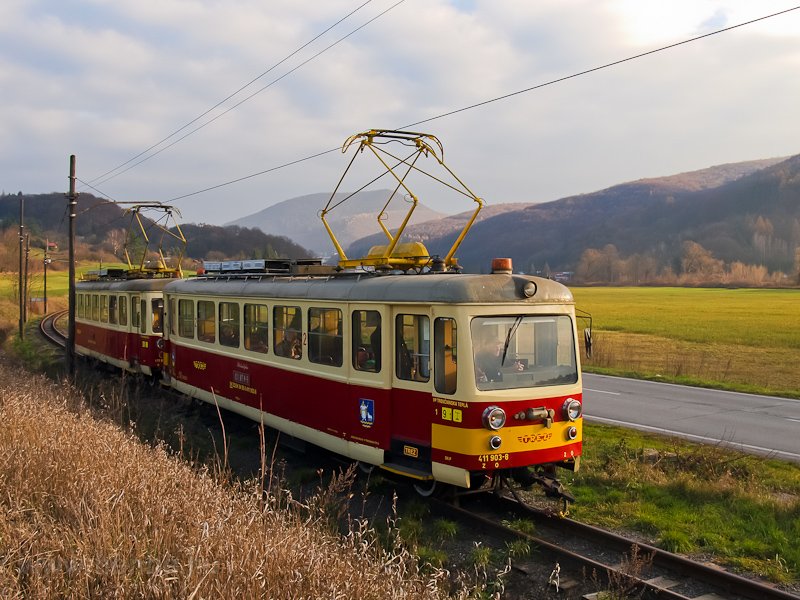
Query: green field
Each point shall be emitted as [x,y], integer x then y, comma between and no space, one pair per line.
[743,339]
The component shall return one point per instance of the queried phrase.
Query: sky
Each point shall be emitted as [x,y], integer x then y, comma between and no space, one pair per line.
[106,80]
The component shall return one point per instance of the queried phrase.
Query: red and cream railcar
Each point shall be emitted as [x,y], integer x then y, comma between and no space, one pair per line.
[438,376]
[120,321]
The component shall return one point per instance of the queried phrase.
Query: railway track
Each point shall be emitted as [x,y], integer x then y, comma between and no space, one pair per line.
[50,330]
[588,556]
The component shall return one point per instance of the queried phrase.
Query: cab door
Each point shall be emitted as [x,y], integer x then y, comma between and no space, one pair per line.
[410,445]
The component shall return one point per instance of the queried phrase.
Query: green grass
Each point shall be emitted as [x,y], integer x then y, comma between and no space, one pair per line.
[693,499]
[749,317]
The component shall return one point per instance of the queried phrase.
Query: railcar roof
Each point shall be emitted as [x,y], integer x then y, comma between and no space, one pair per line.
[124,285]
[426,288]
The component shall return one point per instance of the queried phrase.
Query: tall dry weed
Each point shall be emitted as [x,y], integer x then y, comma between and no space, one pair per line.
[86,510]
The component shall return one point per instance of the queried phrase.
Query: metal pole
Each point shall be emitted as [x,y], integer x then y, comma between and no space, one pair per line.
[46,246]
[21,295]
[27,254]
[72,204]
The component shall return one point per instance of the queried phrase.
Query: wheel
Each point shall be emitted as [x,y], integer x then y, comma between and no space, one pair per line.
[365,468]
[425,488]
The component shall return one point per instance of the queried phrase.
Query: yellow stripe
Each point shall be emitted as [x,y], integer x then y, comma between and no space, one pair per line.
[515,439]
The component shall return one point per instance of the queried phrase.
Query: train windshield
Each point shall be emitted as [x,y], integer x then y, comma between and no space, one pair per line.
[523,351]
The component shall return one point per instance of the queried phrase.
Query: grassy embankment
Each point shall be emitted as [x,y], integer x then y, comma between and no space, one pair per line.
[87,510]
[743,339]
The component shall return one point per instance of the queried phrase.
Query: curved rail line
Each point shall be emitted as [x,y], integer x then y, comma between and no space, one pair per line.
[50,331]
[568,540]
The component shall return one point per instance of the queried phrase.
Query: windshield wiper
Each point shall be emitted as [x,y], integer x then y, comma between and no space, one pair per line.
[511,331]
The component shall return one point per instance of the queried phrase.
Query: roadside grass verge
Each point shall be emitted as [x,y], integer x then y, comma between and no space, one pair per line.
[743,511]
[89,511]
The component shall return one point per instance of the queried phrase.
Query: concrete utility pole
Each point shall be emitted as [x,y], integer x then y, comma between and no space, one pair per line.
[27,254]
[72,205]
[46,262]
[21,294]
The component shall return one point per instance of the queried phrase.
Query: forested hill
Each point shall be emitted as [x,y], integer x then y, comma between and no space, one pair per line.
[748,212]
[103,225]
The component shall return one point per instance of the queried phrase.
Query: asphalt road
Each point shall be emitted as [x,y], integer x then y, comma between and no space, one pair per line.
[764,425]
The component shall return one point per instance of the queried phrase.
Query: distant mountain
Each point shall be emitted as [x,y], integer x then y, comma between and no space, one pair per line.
[747,212]
[103,224]
[298,218]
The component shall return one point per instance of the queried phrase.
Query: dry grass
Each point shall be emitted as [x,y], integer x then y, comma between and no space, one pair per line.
[769,370]
[89,511]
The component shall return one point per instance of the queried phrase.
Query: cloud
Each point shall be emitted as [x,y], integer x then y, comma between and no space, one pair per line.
[106,79]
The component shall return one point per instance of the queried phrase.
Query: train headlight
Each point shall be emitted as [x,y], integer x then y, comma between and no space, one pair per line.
[494,442]
[572,433]
[494,418]
[572,409]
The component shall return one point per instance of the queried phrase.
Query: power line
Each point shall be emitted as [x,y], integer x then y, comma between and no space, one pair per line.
[221,102]
[594,69]
[504,97]
[270,84]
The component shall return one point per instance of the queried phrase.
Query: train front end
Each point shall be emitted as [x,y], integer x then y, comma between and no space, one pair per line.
[522,417]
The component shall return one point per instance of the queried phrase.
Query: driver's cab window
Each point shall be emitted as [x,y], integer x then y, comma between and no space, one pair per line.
[412,347]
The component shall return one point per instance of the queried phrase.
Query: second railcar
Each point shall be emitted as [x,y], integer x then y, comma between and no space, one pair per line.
[120,322]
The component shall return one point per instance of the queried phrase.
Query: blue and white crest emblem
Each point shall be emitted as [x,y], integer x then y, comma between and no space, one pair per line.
[366,412]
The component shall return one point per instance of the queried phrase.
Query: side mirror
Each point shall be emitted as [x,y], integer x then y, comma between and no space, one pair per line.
[587,340]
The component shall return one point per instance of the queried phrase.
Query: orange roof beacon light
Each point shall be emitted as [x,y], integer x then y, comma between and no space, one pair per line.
[396,255]
[502,265]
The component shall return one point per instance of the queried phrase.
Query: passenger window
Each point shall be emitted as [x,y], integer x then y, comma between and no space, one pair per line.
[256,320]
[367,340]
[325,336]
[79,310]
[287,328]
[229,324]
[158,315]
[445,371]
[412,347]
[143,320]
[123,310]
[206,321]
[186,318]
[95,307]
[135,316]
[112,310]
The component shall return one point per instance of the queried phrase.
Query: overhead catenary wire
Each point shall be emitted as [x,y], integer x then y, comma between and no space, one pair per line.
[221,102]
[502,97]
[270,84]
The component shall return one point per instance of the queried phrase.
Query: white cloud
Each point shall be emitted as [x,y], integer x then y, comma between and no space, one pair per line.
[106,79]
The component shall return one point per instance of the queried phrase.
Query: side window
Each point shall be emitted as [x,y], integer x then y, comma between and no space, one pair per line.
[186,318]
[103,308]
[325,336]
[79,310]
[412,347]
[445,355]
[95,307]
[367,340]
[112,310]
[143,320]
[123,310]
[135,315]
[256,319]
[157,306]
[206,321]
[287,328]
[229,324]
